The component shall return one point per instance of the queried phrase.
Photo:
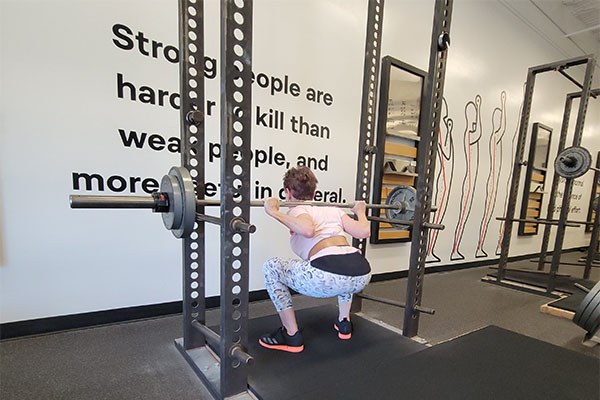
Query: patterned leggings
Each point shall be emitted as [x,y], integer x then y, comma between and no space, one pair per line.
[299,275]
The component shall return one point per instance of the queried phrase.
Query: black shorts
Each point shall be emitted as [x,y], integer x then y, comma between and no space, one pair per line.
[352,264]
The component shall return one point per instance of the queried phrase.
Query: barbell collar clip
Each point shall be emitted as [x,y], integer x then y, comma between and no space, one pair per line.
[161,202]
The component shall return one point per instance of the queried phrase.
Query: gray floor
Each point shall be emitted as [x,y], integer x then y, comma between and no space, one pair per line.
[138,359]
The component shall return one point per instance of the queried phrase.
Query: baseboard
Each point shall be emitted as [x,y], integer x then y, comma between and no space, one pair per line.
[40,326]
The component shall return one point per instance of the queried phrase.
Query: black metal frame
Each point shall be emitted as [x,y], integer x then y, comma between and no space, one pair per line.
[387,63]
[191,69]
[430,117]
[366,142]
[219,360]
[428,131]
[367,139]
[236,77]
[518,164]
[529,172]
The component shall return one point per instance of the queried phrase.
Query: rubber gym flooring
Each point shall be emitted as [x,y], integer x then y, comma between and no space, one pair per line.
[525,354]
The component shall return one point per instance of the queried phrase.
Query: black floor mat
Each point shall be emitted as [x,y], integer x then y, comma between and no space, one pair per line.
[328,365]
[569,303]
[565,284]
[491,363]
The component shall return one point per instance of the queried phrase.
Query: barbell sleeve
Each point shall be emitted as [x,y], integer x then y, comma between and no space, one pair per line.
[86,201]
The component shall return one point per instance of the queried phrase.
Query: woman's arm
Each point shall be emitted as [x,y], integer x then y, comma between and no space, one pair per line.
[301,224]
[360,228]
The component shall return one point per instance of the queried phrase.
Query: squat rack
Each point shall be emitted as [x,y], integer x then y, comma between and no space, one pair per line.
[229,376]
[555,181]
[223,364]
[561,67]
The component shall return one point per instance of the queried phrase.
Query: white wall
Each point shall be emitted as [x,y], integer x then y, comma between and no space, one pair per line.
[60,114]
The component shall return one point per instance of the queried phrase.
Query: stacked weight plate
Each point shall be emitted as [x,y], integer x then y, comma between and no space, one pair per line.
[587,315]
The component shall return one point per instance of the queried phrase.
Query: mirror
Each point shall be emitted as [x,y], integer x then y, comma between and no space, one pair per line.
[542,147]
[404,102]
[535,178]
[398,122]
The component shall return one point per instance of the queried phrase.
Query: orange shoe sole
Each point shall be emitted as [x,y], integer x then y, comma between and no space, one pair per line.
[343,336]
[282,347]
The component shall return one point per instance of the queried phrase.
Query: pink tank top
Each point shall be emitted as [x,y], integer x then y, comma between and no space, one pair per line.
[328,223]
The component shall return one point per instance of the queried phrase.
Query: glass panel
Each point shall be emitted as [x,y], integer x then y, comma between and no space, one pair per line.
[540,158]
[404,102]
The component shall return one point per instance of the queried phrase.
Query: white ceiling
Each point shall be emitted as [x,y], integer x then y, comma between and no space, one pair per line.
[571,26]
[578,21]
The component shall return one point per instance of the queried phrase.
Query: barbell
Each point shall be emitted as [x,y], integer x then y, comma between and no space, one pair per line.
[176,201]
[573,162]
[540,221]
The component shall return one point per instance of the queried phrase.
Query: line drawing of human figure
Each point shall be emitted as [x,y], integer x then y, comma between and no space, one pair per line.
[443,180]
[472,137]
[495,154]
[508,181]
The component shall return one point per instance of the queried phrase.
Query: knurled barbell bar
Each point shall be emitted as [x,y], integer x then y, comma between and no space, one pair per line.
[573,162]
[177,202]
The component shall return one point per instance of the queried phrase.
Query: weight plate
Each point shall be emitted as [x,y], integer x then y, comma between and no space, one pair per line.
[594,325]
[172,219]
[588,311]
[405,198]
[573,162]
[188,201]
[591,314]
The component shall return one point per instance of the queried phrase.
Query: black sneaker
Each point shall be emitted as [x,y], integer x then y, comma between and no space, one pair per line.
[344,328]
[280,340]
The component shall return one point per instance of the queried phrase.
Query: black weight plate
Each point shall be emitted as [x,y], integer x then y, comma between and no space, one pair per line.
[587,306]
[594,325]
[580,158]
[405,198]
[591,315]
